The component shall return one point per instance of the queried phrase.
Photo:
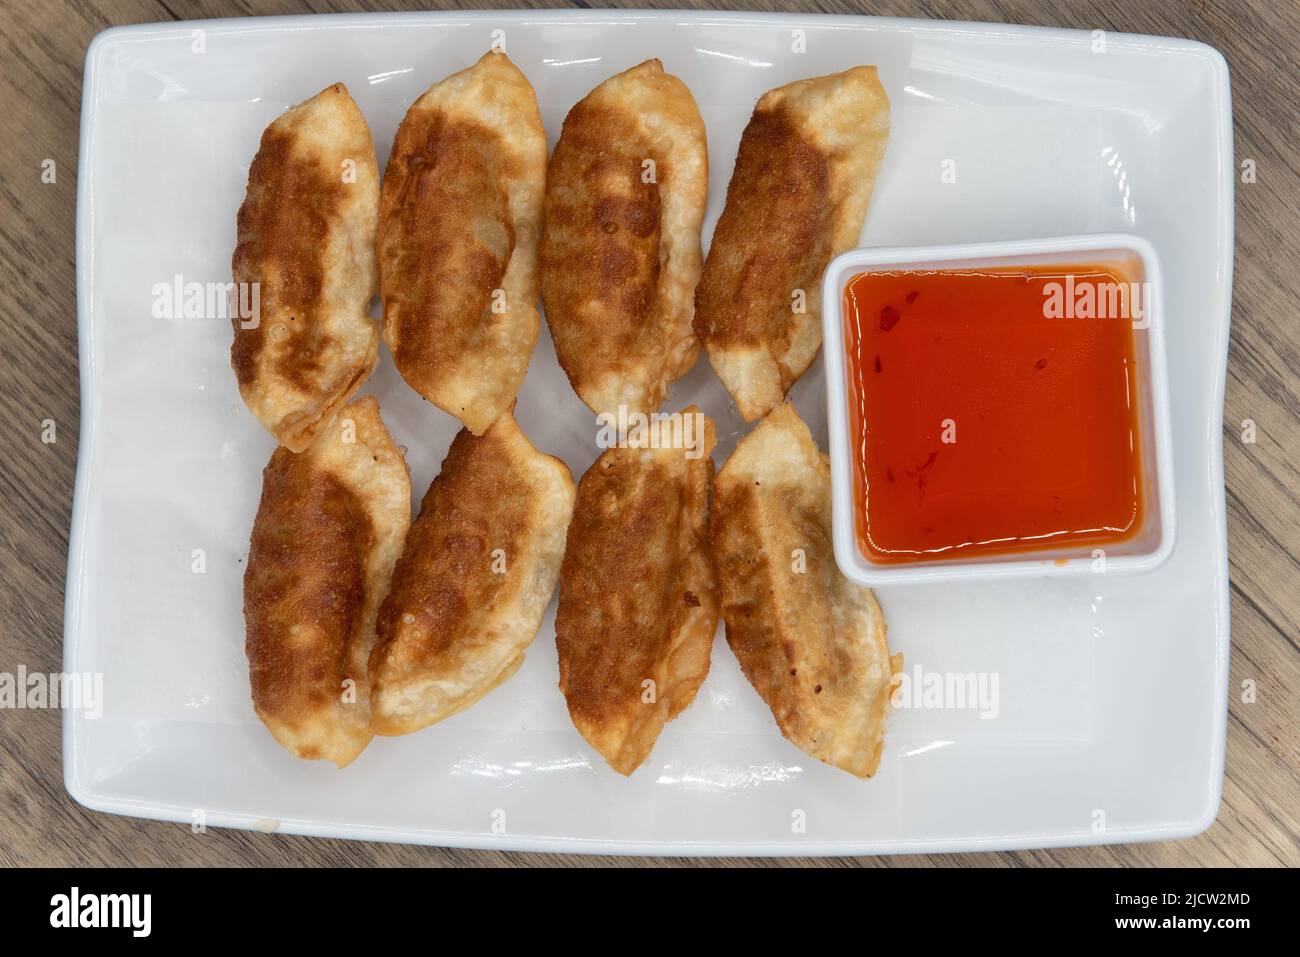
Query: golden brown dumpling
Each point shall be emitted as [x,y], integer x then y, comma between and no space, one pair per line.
[638,609]
[306,238]
[798,196]
[328,530]
[474,580]
[460,219]
[810,641]
[620,253]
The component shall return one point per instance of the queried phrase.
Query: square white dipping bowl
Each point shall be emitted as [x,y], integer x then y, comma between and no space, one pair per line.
[1141,552]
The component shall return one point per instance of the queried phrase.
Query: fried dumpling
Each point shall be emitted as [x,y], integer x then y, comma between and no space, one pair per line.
[811,642]
[460,218]
[638,607]
[474,580]
[798,196]
[328,531]
[620,255]
[305,259]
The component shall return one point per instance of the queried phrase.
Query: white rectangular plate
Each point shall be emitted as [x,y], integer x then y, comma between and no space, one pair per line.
[1111,697]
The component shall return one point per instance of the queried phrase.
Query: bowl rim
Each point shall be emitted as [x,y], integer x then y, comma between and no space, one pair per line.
[1045,564]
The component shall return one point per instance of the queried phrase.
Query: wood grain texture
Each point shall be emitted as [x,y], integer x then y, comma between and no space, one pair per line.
[42,47]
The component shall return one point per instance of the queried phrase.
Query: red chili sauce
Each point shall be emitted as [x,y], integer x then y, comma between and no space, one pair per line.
[985,422]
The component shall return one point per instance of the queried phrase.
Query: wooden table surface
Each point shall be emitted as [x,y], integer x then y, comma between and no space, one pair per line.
[44,44]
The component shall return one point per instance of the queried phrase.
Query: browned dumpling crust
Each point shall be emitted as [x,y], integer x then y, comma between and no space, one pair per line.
[638,607]
[798,197]
[620,253]
[811,642]
[474,580]
[328,531]
[306,237]
[460,220]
